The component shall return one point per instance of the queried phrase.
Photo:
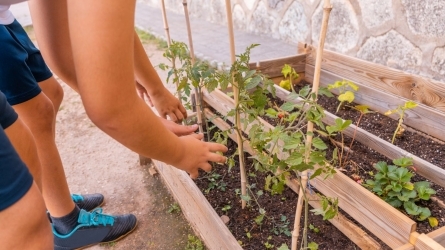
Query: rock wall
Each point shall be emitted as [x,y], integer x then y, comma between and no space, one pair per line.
[404,34]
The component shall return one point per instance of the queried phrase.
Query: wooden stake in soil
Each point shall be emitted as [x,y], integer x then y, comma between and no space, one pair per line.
[192,56]
[169,43]
[236,98]
[310,128]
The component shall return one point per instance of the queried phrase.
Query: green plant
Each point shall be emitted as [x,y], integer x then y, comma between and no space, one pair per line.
[267,244]
[400,110]
[346,89]
[284,246]
[393,184]
[314,228]
[174,208]
[194,243]
[215,181]
[226,208]
[329,207]
[282,227]
[312,246]
[289,74]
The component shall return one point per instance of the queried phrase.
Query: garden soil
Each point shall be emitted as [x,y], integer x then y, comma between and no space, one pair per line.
[96,163]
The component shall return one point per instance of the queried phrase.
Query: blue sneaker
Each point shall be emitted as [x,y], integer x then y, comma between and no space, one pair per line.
[88,202]
[95,227]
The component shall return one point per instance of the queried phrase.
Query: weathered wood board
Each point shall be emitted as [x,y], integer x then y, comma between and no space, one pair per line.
[272,68]
[200,214]
[413,87]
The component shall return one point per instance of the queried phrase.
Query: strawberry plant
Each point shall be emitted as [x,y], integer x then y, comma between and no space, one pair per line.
[346,89]
[400,110]
[393,184]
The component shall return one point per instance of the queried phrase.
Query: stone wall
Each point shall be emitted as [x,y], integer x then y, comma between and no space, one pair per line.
[403,34]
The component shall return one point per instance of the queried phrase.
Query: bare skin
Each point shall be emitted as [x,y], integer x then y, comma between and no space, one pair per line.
[28,225]
[104,74]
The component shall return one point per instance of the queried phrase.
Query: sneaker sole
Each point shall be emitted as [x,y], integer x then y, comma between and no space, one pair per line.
[116,240]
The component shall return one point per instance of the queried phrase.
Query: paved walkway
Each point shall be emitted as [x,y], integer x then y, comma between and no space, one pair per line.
[210,40]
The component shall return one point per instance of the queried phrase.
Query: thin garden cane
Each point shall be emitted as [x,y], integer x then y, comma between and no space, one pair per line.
[198,102]
[237,113]
[310,128]
[169,43]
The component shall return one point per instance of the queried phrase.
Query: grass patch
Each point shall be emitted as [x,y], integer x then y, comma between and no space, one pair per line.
[150,38]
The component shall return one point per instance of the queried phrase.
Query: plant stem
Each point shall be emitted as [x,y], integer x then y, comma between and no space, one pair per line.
[399,125]
[310,126]
[353,136]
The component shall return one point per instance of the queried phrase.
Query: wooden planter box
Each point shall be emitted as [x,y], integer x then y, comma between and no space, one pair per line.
[382,89]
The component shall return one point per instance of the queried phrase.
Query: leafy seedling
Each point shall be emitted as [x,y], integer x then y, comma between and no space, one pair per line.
[346,89]
[400,110]
[289,74]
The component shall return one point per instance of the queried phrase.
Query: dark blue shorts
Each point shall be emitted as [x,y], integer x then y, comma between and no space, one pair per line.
[21,65]
[15,179]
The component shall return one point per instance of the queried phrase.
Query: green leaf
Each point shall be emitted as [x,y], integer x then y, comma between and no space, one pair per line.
[411,208]
[286,70]
[283,247]
[348,96]
[424,213]
[285,84]
[271,112]
[433,221]
[253,82]
[259,219]
[397,187]
[304,91]
[319,144]
[408,185]
[407,195]
[381,166]
[294,159]
[325,92]
[403,162]
[317,172]
[287,106]
[394,201]
[410,105]
[291,143]
[312,246]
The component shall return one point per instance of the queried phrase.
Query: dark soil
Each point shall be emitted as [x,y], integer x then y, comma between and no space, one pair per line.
[273,229]
[362,158]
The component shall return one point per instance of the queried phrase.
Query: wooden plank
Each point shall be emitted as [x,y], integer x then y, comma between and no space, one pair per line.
[202,217]
[347,227]
[424,168]
[410,86]
[272,68]
[438,235]
[426,243]
[374,214]
[423,118]
[380,218]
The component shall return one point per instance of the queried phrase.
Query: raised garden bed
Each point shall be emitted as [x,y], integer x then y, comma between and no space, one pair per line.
[381,88]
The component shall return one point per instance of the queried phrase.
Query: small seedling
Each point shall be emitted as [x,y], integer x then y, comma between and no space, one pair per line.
[329,207]
[346,89]
[400,110]
[289,74]
[312,246]
[393,184]
[282,227]
[314,228]
[194,243]
[226,208]
[284,246]
[174,208]
[267,244]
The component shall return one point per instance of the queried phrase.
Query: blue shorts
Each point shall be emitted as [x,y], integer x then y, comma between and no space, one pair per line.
[21,65]
[15,179]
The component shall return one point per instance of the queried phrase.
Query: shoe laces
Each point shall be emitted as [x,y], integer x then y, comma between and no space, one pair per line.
[95,218]
[77,197]
[87,219]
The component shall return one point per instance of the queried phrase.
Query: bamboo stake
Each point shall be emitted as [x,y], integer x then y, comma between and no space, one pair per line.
[192,56]
[236,98]
[310,128]
[169,43]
